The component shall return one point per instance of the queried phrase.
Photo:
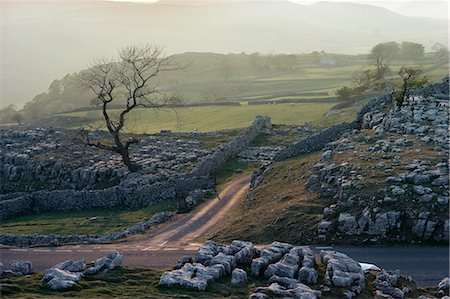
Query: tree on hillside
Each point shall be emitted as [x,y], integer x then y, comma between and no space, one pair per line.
[411,50]
[362,80]
[225,68]
[18,118]
[344,93]
[129,79]
[381,57]
[441,52]
[411,78]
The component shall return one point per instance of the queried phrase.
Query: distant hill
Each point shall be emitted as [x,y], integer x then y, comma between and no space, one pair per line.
[46,40]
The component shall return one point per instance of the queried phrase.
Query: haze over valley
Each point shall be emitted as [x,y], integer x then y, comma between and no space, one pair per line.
[43,41]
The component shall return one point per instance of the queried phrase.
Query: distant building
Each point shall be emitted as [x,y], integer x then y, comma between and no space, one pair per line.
[328,59]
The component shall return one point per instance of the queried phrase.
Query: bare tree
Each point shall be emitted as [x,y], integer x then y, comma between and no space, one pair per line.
[176,102]
[127,80]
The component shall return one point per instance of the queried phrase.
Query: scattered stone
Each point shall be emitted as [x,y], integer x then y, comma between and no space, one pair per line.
[105,264]
[21,267]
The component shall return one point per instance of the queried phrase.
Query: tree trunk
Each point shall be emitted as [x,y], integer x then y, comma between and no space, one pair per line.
[132,167]
[123,151]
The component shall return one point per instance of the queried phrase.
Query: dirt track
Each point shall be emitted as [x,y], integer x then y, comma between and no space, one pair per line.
[160,247]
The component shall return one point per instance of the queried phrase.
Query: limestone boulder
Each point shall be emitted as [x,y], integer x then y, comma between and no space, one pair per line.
[238,276]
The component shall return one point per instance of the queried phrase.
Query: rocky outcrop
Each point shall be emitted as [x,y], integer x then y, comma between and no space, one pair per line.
[378,192]
[344,272]
[385,284]
[287,271]
[66,274]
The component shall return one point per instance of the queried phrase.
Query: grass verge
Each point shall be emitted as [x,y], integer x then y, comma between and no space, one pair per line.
[279,208]
[95,221]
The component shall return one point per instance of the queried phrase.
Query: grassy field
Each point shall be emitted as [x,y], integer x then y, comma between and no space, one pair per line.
[143,283]
[211,118]
[95,221]
[119,283]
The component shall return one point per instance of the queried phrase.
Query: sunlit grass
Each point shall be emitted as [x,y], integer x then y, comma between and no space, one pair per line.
[211,118]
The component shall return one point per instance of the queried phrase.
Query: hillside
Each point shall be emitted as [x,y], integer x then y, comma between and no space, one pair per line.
[212,78]
[385,183]
[35,51]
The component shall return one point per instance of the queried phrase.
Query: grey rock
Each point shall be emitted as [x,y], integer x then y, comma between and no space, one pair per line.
[328,213]
[246,253]
[206,252]
[60,284]
[421,179]
[259,265]
[228,261]
[72,266]
[347,224]
[420,190]
[342,271]
[105,264]
[324,226]
[183,261]
[287,267]
[443,287]
[307,275]
[238,276]
[300,291]
[21,267]
[441,181]
[183,277]
[258,296]
[326,155]
[398,191]
[58,279]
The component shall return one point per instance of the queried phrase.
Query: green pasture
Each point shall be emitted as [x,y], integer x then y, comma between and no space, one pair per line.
[211,118]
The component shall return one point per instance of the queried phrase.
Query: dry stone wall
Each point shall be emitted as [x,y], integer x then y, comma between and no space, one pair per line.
[56,240]
[138,189]
[215,161]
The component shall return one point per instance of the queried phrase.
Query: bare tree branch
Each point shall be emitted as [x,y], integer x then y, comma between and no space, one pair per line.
[129,80]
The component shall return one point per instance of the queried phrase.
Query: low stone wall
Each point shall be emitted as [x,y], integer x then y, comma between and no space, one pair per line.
[319,140]
[130,193]
[56,240]
[315,142]
[215,161]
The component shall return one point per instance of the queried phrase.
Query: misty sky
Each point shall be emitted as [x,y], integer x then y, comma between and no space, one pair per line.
[422,8]
[43,41]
